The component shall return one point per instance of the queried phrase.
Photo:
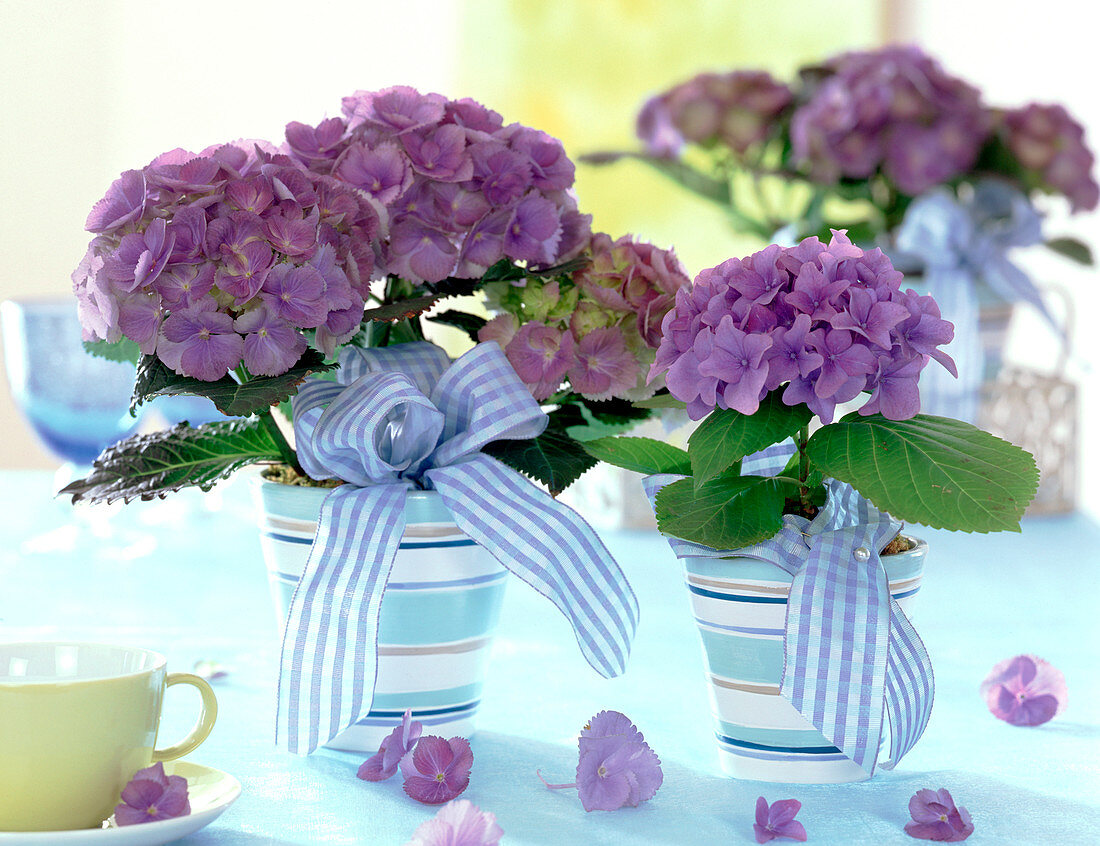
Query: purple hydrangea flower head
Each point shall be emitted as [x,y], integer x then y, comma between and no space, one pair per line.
[271,345]
[139,319]
[419,251]
[383,171]
[1047,141]
[895,110]
[541,355]
[633,276]
[296,294]
[316,147]
[141,256]
[1025,691]
[736,110]
[777,820]
[185,284]
[458,823]
[551,168]
[603,367]
[737,358]
[201,243]
[395,746]
[935,817]
[243,273]
[398,109]
[500,329]
[534,231]
[439,153]
[151,796]
[895,395]
[505,174]
[827,321]
[123,203]
[200,341]
[437,770]
[656,130]
[471,115]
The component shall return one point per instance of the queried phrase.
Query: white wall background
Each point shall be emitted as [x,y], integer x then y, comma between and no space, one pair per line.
[1018,52]
[89,89]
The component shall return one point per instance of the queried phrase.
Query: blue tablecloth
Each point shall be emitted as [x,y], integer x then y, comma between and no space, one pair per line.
[184,577]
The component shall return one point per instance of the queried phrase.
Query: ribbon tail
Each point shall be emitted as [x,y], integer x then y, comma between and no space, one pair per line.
[329,656]
[837,640]
[910,686]
[551,548]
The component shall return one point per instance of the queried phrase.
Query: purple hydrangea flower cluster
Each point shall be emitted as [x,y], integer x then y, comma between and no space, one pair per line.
[226,256]
[825,321]
[600,329]
[737,109]
[1046,140]
[893,109]
[456,189]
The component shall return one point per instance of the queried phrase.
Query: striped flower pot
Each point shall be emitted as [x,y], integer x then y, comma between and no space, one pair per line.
[438,615]
[740,605]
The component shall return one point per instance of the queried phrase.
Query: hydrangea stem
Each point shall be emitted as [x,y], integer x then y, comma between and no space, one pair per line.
[267,420]
[554,786]
[804,470]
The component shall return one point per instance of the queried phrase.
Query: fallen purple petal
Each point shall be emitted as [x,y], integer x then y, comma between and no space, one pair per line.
[383,763]
[615,766]
[437,770]
[935,817]
[1025,691]
[777,820]
[458,823]
[152,796]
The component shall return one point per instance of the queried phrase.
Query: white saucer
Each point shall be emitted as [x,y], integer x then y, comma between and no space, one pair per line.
[209,791]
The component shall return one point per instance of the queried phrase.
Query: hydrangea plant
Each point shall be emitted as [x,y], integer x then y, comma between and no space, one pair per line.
[234,272]
[763,349]
[852,142]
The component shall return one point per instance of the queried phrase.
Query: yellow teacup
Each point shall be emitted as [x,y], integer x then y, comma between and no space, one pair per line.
[77,720]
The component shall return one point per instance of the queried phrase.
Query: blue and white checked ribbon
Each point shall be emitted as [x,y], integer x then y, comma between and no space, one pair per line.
[961,246]
[849,648]
[405,417]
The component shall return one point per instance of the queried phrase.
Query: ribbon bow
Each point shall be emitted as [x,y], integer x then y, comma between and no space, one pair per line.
[871,653]
[960,245]
[405,417]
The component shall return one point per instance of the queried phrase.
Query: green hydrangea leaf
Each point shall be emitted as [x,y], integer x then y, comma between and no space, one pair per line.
[554,458]
[728,512]
[661,401]
[642,455]
[469,323]
[726,436]
[152,465]
[122,350]
[155,378]
[939,472]
[1072,249]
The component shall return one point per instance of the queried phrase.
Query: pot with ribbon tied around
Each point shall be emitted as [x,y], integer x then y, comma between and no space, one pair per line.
[788,521]
[392,581]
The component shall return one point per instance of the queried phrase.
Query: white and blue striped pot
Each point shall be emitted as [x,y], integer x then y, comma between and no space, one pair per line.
[438,615]
[740,605]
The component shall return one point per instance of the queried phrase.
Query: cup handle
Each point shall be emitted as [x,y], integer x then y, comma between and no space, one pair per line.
[202,727]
